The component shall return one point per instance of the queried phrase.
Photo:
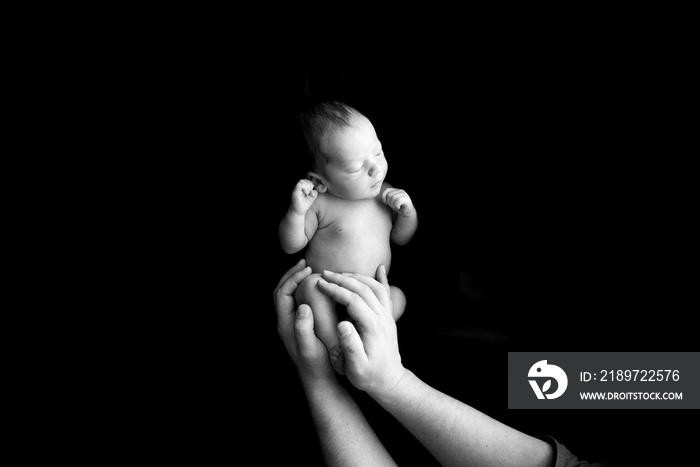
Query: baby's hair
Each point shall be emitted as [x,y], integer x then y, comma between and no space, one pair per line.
[320,118]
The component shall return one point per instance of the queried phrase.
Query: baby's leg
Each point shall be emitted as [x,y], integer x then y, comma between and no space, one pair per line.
[325,318]
[398,301]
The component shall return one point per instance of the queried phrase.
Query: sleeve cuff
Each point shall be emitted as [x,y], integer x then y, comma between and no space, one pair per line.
[563,457]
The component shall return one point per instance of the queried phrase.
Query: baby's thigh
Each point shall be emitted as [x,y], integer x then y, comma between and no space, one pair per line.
[322,307]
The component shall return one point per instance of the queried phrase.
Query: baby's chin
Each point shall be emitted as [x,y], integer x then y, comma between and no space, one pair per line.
[375,191]
[371,193]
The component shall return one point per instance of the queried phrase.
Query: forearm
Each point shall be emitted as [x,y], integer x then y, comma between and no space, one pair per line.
[291,232]
[457,434]
[404,228]
[345,436]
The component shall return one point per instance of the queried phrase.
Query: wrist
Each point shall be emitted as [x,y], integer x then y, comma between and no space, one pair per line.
[315,382]
[392,392]
[295,214]
[407,213]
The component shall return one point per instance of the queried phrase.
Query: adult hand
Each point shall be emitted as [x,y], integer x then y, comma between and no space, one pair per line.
[296,329]
[370,345]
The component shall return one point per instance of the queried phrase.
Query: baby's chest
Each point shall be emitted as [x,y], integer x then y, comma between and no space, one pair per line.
[367,220]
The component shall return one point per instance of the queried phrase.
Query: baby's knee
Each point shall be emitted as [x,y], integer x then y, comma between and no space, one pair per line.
[307,291]
[398,302]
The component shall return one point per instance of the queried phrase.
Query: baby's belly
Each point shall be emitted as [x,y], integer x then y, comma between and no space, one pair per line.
[356,255]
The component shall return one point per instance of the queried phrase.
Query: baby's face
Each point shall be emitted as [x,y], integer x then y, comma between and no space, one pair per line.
[356,166]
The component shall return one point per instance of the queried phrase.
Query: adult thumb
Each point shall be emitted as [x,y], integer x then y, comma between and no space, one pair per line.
[304,328]
[350,342]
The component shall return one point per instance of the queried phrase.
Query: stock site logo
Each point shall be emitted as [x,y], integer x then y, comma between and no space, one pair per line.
[545,373]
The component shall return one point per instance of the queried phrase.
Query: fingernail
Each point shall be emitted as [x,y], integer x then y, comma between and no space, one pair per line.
[303,311]
[344,329]
[328,272]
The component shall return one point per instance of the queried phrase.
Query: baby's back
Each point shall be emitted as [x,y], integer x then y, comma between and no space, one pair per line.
[352,236]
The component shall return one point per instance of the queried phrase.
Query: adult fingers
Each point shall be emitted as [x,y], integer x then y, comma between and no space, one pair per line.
[304,330]
[381,276]
[293,270]
[351,283]
[285,290]
[284,293]
[380,286]
[353,349]
[356,306]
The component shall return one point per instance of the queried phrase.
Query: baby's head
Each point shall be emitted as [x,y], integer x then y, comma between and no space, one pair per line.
[347,157]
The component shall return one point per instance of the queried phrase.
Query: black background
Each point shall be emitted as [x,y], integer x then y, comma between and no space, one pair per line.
[551,215]
[554,215]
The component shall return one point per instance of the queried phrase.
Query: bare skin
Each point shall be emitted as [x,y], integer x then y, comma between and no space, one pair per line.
[455,433]
[346,215]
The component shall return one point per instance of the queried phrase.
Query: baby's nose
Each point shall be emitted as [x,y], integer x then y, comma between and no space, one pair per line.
[374,169]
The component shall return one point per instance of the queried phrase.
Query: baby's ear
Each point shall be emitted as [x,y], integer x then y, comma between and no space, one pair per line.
[317,181]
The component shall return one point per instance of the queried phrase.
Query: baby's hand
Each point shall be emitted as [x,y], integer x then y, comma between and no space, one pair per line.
[399,201]
[303,196]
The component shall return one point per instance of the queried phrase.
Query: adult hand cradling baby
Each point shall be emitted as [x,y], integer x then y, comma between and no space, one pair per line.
[370,345]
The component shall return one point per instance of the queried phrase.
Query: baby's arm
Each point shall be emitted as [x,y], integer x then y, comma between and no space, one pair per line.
[406,221]
[298,225]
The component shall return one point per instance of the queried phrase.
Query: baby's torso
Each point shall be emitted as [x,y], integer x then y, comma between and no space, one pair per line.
[352,236]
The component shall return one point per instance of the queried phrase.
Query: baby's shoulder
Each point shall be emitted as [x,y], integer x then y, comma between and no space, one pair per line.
[327,209]
[321,201]
[321,204]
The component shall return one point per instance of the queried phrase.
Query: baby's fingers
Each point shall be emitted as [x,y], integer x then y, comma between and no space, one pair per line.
[395,198]
[386,194]
[305,186]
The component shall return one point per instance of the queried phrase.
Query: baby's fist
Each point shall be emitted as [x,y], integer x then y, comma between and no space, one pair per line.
[303,196]
[399,201]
